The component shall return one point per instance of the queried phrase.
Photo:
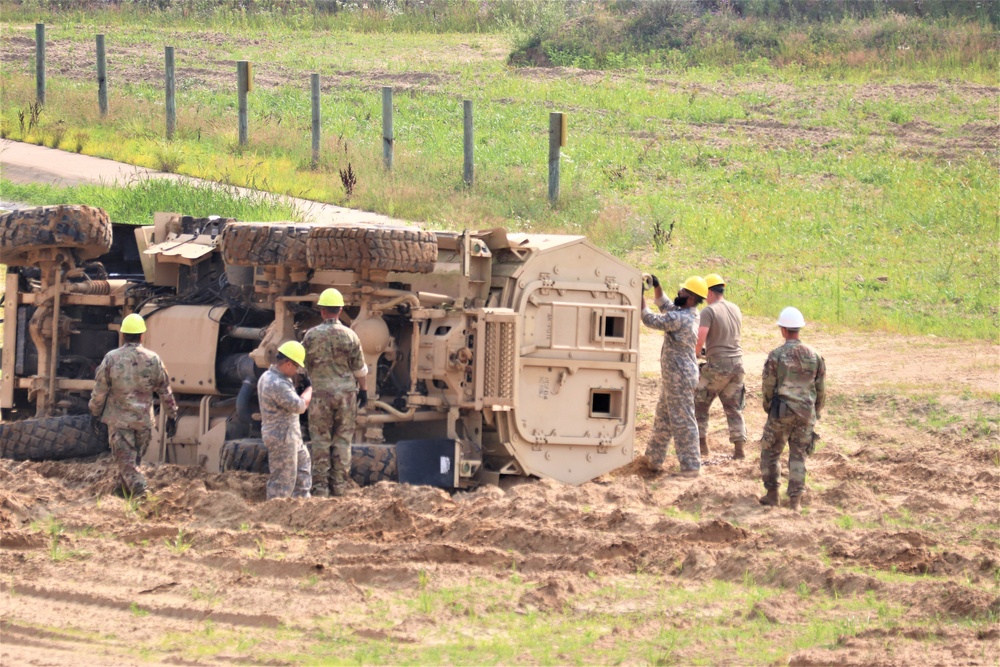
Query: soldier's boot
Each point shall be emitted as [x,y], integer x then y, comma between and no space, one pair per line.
[703,443]
[795,503]
[738,452]
[770,499]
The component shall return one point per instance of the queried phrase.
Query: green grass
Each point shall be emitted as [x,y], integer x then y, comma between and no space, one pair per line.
[136,203]
[485,623]
[800,186]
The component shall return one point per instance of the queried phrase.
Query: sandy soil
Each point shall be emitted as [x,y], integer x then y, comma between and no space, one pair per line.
[910,455]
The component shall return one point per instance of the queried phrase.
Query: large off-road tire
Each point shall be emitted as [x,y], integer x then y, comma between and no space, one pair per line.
[368,247]
[369,463]
[265,244]
[373,463]
[248,455]
[84,229]
[51,439]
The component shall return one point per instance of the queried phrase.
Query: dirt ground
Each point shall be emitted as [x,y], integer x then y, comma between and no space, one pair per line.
[902,512]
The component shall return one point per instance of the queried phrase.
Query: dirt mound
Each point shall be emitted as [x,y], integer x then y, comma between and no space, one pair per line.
[893,561]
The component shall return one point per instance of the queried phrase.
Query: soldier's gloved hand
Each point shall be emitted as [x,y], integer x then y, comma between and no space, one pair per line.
[654,281]
[362,398]
[171,427]
[306,382]
[95,425]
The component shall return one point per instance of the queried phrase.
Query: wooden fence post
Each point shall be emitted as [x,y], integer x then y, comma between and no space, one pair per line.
[555,141]
[314,81]
[467,143]
[40,63]
[102,77]
[168,67]
[242,87]
[387,139]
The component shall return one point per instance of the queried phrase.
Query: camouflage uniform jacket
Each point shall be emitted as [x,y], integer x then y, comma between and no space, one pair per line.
[680,327]
[280,406]
[333,357]
[796,373]
[124,386]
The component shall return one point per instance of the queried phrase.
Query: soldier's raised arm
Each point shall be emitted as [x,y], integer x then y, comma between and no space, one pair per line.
[668,321]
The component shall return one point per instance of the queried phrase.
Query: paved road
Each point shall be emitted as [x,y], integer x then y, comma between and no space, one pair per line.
[27,163]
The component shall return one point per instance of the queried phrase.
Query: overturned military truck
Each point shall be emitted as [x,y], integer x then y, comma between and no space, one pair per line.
[491,353]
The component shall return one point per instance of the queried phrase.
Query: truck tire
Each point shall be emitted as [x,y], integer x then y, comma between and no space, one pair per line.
[369,463]
[51,439]
[247,454]
[84,229]
[373,463]
[367,247]
[265,243]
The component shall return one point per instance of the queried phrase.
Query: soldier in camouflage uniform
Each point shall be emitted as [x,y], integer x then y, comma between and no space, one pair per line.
[675,416]
[123,399]
[280,407]
[794,392]
[722,373]
[338,373]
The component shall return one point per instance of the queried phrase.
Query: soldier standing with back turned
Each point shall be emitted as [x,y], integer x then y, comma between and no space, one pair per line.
[338,373]
[123,399]
[793,386]
[675,410]
[722,373]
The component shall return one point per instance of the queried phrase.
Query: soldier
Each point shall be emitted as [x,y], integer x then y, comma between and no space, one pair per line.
[123,399]
[675,410]
[722,373]
[793,388]
[280,407]
[338,373]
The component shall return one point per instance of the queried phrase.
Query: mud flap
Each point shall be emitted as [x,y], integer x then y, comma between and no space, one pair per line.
[428,462]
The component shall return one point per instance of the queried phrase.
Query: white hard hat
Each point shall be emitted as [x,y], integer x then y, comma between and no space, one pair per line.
[791,318]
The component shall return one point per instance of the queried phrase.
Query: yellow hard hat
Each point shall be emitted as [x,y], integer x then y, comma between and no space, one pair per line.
[696,285]
[331,298]
[133,324]
[714,279]
[294,350]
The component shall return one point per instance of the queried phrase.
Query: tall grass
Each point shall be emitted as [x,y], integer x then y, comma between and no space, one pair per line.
[137,202]
[866,205]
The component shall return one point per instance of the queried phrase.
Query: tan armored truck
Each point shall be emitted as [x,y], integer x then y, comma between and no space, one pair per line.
[491,353]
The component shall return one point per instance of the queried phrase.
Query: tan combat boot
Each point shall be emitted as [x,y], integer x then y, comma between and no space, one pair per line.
[703,443]
[738,449]
[795,503]
[769,500]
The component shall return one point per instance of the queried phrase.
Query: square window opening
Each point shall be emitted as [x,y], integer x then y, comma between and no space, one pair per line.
[606,403]
[609,327]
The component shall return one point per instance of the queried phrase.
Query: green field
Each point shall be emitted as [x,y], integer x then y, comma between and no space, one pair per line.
[865,195]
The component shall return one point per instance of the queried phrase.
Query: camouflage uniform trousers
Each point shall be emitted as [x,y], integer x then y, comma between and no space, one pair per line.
[332,416]
[798,433]
[128,446]
[722,378]
[675,419]
[291,470]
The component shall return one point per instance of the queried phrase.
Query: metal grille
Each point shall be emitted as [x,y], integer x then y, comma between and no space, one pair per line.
[498,382]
